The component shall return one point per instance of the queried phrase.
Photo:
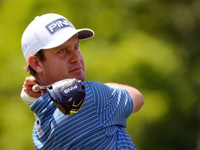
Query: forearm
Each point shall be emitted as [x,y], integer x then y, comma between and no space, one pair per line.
[136,96]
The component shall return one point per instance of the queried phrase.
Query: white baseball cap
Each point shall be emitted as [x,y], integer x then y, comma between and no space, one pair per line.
[49,31]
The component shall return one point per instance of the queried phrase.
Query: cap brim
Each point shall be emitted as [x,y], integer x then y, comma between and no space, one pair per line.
[66,35]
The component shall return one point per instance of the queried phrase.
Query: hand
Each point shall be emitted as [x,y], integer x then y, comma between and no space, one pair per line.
[27,87]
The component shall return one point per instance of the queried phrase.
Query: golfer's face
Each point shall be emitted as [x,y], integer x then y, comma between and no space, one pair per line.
[64,61]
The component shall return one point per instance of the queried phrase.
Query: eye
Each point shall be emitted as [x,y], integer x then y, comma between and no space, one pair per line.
[76,47]
[62,50]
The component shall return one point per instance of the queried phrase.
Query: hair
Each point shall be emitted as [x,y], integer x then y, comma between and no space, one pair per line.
[28,68]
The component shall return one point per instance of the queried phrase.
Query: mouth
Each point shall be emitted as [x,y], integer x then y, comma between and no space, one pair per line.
[79,69]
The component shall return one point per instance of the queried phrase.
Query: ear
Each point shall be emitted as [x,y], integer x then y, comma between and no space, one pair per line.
[35,63]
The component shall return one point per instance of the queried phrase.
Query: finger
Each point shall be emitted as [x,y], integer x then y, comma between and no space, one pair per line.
[33,94]
[29,81]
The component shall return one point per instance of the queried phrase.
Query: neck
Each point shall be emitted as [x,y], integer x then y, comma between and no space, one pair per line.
[43,91]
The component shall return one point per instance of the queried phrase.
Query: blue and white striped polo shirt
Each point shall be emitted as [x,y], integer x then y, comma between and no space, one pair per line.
[99,125]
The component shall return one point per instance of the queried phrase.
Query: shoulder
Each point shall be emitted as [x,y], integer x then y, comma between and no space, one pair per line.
[98,89]
[96,85]
[43,102]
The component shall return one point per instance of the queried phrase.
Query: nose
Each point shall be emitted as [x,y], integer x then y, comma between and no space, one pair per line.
[75,56]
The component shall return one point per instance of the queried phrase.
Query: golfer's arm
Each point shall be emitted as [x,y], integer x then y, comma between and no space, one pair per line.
[137,97]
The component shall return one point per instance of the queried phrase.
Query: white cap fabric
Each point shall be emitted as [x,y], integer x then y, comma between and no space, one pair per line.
[49,31]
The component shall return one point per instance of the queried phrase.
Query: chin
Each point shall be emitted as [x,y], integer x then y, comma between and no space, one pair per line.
[82,78]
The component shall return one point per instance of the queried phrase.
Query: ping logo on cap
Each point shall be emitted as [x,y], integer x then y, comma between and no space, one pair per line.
[57,25]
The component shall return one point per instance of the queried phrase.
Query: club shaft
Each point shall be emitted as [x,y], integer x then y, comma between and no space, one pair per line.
[37,88]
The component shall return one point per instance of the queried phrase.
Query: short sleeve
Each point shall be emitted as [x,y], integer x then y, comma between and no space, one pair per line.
[114,105]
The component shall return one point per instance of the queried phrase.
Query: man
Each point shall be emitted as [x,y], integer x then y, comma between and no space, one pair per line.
[51,48]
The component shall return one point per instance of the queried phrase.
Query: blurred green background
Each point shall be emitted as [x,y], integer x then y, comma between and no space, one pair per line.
[151,45]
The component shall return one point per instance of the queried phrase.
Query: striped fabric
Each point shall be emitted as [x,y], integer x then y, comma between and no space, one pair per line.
[99,125]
